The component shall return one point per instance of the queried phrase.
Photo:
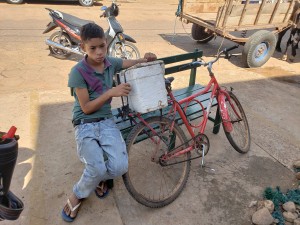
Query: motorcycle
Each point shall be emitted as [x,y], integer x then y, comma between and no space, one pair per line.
[66,41]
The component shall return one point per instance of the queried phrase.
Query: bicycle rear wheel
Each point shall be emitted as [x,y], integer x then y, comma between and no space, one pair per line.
[147,180]
[239,137]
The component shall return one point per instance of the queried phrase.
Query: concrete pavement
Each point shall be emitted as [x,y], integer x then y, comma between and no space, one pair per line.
[34,98]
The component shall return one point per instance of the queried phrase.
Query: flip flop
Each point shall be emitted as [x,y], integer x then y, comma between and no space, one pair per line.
[101,187]
[66,217]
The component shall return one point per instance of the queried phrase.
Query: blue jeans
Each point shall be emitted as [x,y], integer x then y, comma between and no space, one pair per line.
[93,141]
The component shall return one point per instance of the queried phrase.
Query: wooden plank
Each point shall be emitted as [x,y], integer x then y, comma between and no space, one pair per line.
[264,19]
[229,16]
[251,27]
[203,1]
[260,12]
[243,12]
[249,20]
[182,57]
[175,69]
[278,19]
[179,94]
[194,110]
[234,21]
[227,13]
[289,12]
[251,9]
[283,8]
[202,8]
[219,16]
[274,12]
[198,21]
[204,16]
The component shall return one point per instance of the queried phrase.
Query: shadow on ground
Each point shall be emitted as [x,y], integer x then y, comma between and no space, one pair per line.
[210,49]
[217,194]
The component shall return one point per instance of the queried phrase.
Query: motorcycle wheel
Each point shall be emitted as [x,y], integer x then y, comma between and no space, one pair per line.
[64,40]
[86,3]
[131,51]
[14,1]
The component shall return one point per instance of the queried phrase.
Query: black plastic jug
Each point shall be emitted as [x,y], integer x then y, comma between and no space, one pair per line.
[8,158]
[10,205]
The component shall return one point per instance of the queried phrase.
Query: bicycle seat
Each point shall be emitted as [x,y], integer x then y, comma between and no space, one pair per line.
[169,80]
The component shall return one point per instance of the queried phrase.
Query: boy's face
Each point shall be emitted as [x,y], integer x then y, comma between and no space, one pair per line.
[95,48]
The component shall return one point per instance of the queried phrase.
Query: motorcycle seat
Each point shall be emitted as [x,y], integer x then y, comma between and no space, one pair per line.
[73,20]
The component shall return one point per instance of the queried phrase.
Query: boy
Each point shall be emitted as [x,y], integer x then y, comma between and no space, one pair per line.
[95,131]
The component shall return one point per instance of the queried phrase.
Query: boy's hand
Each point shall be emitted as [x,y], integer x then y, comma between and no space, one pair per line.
[120,90]
[150,57]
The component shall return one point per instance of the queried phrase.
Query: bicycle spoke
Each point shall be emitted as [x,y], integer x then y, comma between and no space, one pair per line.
[147,180]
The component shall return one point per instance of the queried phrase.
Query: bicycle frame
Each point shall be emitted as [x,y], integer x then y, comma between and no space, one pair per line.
[221,94]
[177,106]
[217,92]
[157,141]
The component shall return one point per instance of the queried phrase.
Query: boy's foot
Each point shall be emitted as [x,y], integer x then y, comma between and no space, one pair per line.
[102,190]
[71,209]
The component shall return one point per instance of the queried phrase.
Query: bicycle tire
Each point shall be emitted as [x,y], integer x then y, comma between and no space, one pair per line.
[239,137]
[147,181]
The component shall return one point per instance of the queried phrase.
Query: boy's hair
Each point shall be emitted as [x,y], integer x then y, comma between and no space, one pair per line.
[91,30]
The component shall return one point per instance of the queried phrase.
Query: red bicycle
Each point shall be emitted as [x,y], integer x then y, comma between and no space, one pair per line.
[159,151]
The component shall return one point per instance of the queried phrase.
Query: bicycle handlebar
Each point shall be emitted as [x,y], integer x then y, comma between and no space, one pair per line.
[210,63]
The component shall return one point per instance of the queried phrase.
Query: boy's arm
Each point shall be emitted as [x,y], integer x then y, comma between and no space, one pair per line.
[148,57]
[89,107]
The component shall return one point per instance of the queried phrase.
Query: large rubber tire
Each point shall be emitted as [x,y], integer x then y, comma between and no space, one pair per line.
[147,181]
[64,40]
[239,137]
[259,48]
[86,3]
[14,1]
[201,34]
[131,51]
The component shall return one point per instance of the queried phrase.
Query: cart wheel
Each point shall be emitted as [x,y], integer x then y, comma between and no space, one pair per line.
[259,48]
[201,34]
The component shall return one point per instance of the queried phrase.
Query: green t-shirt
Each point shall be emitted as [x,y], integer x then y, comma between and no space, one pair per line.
[76,80]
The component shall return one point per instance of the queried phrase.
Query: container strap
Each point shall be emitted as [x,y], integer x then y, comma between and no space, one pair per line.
[124,111]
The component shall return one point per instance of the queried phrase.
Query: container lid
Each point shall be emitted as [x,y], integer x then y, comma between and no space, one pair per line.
[139,65]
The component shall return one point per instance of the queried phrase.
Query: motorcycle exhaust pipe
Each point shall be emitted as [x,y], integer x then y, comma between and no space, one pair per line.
[60,46]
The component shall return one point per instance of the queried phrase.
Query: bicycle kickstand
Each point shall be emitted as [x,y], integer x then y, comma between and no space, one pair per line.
[202,160]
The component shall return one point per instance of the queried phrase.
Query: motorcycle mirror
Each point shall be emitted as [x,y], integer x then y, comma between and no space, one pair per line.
[103,8]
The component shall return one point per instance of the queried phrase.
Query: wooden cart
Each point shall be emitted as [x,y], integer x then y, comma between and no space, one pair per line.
[227,18]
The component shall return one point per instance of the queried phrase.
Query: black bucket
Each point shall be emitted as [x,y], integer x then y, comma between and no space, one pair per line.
[8,158]
[10,205]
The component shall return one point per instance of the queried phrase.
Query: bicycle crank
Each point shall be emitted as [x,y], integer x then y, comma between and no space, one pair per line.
[202,146]
[200,143]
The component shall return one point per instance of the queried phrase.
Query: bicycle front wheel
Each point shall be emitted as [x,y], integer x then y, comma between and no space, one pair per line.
[148,181]
[239,137]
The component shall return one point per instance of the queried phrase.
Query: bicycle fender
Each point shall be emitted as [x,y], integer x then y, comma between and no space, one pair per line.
[224,113]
